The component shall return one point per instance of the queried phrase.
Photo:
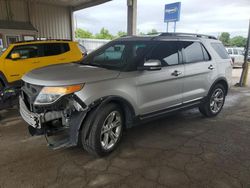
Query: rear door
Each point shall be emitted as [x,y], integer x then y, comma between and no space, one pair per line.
[54,53]
[200,71]
[161,89]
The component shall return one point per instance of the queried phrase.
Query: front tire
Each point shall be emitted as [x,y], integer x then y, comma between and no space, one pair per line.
[1,85]
[214,103]
[102,131]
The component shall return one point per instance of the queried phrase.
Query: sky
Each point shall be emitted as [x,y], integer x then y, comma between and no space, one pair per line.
[197,16]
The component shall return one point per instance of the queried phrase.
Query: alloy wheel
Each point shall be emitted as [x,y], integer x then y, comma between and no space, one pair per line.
[111,130]
[217,100]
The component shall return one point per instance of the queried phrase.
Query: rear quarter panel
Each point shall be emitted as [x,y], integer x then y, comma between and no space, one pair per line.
[223,66]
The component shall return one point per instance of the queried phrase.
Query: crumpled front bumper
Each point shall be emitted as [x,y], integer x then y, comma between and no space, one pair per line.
[65,136]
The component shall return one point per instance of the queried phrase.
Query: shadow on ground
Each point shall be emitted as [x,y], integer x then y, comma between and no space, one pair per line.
[184,150]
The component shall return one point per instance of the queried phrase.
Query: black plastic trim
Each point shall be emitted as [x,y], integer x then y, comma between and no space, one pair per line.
[166,111]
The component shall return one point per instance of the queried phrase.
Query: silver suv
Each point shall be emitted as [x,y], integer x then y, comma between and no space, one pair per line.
[128,80]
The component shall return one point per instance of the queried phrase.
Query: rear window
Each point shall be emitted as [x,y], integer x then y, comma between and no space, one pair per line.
[220,50]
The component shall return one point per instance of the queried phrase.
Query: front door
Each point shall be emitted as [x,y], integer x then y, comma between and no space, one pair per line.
[161,89]
[15,69]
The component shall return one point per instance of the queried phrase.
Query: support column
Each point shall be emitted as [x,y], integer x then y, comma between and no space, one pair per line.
[132,17]
[72,26]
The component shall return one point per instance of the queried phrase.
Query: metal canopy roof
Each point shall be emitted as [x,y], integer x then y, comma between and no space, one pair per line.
[75,4]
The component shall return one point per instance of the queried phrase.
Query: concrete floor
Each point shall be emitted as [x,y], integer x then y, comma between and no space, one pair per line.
[184,150]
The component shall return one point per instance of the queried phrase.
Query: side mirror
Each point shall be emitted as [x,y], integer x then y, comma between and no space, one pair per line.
[15,56]
[151,65]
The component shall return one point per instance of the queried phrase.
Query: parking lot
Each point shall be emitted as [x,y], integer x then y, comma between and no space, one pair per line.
[183,150]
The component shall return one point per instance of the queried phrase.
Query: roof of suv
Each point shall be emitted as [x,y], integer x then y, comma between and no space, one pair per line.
[162,36]
[43,41]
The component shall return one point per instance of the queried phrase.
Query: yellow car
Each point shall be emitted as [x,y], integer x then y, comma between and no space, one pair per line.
[22,57]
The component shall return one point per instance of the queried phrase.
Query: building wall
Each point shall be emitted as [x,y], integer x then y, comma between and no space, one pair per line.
[51,21]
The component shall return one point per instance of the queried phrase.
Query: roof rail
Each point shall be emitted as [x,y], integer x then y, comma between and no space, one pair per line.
[43,40]
[188,34]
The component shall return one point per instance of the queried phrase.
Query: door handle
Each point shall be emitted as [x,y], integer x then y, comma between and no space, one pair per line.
[62,59]
[176,73]
[211,67]
[35,62]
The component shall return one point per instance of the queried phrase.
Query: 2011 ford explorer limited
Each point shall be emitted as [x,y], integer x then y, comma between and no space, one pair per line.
[128,80]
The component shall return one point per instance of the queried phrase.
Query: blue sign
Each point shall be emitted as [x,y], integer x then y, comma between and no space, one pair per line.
[172,12]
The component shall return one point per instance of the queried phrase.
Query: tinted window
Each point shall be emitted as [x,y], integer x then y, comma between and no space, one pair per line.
[123,56]
[50,49]
[25,51]
[192,51]
[220,50]
[65,47]
[166,52]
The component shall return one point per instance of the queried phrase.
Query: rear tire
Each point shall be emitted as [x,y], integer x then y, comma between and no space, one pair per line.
[214,103]
[102,130]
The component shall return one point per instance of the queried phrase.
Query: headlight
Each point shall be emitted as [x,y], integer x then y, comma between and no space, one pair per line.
[49,95]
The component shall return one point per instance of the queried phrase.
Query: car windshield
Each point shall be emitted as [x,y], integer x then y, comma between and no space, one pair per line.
[117,55]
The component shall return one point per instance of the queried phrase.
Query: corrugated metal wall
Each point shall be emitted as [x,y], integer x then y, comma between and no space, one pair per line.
[51,21]
[3,12]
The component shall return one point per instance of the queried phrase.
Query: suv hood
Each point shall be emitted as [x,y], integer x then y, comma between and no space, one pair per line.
[68,74]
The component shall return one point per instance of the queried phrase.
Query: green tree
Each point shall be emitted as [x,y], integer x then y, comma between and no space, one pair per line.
[81,33]
[104,34]
[142,33]
[121,33]
[225,38]
[238,41]
[153,31]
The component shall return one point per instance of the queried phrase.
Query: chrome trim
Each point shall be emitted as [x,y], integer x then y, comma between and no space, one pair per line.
[193,100]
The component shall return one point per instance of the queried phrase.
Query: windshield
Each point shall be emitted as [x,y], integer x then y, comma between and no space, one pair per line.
[118,55]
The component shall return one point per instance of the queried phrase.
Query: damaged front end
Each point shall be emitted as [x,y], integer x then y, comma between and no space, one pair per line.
[59,121]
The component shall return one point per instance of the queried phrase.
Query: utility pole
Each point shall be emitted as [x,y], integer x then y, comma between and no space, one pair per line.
[244,74]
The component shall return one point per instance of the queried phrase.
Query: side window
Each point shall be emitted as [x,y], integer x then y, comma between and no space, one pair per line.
[229,51]
[25,51]
[112,55]
[167,52]
[50,49]
[192,52]
[65,47]
[220,50]
[207,57]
